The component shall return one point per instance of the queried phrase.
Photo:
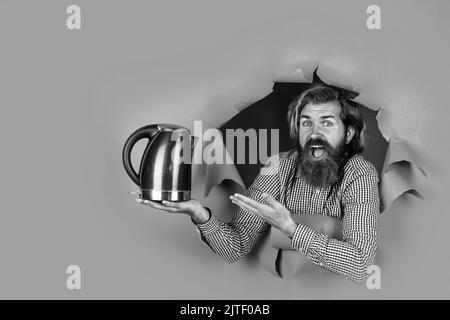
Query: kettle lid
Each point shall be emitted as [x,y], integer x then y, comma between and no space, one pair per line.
[170,127]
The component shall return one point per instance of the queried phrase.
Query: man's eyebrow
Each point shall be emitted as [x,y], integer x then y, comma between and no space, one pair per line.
[322,117]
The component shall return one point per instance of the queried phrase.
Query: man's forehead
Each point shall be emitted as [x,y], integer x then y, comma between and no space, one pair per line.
[328,108]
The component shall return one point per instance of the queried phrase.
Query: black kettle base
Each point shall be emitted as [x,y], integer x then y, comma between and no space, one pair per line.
[169,195]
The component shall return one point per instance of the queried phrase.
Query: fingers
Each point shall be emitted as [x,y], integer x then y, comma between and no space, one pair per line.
[180,206]
[242,205]
[249,202]
[246,205]
[156,205]
[169,206]
[274,204]
[270,200]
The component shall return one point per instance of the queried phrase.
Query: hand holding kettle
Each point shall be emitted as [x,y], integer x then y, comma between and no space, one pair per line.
[192,207]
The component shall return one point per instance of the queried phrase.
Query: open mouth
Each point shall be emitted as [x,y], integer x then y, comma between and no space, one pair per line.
[317,151]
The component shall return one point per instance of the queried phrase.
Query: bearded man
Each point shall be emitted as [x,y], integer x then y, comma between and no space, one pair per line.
[325,174]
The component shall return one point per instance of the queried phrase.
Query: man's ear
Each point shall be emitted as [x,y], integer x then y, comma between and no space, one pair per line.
[350,134]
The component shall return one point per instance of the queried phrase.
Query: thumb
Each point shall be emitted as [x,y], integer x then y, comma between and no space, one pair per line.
[270,200]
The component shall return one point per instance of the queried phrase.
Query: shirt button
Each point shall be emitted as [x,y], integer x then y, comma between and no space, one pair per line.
[317,191]
[321,264]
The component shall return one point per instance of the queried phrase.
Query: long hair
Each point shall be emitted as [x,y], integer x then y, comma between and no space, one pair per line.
[350,115]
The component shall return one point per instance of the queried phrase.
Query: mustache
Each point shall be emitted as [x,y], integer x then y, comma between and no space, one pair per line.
[318,142]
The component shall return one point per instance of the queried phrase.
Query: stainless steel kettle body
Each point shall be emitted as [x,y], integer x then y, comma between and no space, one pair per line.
[165,169]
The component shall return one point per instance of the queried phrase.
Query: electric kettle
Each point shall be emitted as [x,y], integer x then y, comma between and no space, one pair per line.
[165,169]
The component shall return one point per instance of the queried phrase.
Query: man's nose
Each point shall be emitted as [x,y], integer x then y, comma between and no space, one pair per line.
[315,132]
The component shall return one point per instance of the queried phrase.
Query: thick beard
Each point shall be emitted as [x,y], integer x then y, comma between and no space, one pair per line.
[324,172]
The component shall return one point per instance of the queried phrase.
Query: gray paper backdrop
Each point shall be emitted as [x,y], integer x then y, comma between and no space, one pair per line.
[69,99]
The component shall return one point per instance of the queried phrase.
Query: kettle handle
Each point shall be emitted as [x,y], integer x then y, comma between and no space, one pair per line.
[149,132]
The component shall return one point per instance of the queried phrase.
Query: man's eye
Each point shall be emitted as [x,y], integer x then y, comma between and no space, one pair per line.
[328,123]
[306,123]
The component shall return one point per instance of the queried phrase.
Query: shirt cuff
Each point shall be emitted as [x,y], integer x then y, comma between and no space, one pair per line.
[302,238]
[209,227]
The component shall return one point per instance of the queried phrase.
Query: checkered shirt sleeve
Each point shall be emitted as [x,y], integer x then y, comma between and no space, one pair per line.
[234,240]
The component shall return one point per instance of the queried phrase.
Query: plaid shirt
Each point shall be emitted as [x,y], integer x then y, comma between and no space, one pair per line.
[354,200]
